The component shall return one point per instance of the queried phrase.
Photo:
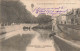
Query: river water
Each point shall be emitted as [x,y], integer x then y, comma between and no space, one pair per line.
[28,40]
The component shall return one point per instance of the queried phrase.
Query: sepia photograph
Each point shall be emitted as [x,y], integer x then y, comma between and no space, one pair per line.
[39,25]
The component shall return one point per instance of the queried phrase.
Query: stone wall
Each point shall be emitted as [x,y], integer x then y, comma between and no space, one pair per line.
[66,45]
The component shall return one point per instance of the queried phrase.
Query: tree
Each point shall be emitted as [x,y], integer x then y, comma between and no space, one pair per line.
[43,18]
[14,11]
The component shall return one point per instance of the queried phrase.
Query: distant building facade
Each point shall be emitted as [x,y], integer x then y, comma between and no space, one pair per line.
[73,17]
[61,19]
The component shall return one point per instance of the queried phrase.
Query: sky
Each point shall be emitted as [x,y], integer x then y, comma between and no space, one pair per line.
[68,4]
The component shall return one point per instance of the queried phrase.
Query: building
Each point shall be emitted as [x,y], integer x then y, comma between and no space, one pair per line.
[73,17]
[61,19]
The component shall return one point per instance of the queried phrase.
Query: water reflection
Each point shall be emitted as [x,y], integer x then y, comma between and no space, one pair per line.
[41,42]
[16,43]
[43,34]
[27,41]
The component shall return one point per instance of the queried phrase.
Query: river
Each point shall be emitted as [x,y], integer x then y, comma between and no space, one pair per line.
[28,40]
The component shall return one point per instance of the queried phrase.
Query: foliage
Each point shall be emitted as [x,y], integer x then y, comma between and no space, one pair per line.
[14,11]
[43,18]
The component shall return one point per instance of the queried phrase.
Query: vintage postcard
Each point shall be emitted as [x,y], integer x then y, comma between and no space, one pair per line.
[39,25]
